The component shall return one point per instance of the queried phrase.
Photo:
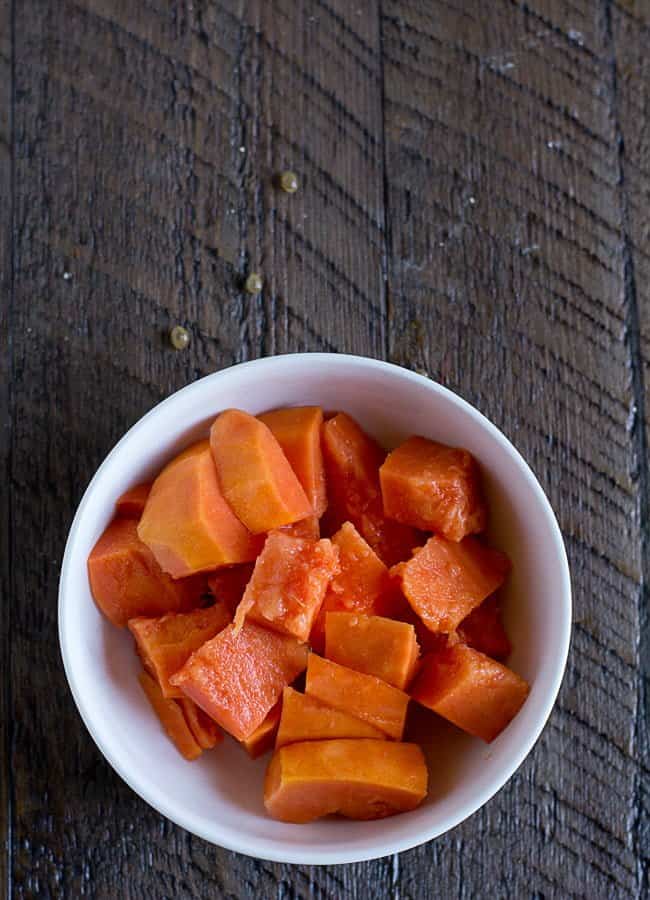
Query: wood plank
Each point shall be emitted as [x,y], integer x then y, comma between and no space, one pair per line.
[6,305]
[628,27]
[507,283]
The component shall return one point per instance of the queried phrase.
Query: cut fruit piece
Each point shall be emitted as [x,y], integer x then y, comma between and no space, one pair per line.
[255,475]
[364,696]
[229,584]
[358,779]
[352,461]
[305,718]
[187,523]
[297,431]
[263,738]
[165,644]
[445,580]
[433,487]
[237,677]
[131,503]
[288,584]
[206,732]
[476,693]
[483,630]
[308,528]
[126,581]
[171,718]
[372,644]
[362,585]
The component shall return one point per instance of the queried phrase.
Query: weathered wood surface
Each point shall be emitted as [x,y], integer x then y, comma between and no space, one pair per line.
[475,188]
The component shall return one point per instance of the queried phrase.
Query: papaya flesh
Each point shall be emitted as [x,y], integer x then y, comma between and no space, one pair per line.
[131,503]
[305,718]
[263,738]
[171,718]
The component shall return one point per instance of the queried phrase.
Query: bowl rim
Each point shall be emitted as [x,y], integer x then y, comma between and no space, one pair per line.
[269,849]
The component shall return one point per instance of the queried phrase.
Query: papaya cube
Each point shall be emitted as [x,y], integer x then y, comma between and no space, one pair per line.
[206,732]
[433,487]
[126,581]
[297,430]
[445,580]
[187,524]
[255,475]
[131,503]
[352,461]
[305,718]
[358,779]
[483,630]
[372,644]
[308,528]
[171,718]
[228,584]
[288,584]
[238,676]
[166,643]
[263,738]
[476,693]
[364,696]
[361,585]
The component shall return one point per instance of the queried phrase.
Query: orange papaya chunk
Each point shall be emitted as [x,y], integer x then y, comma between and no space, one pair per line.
[238,676]
[483,630]
[126,581]
[372,644]
[171,718]
[352,461]
[187,524]
[229,584]
[308,528]
[297,430]
[263,738]
[445,580]
[206,732]
[131,503]
[255,475]
[305,718]
[359,779]
[360,586]
[165,644]
[364,696]
[288,584]
[433,487]
[476,693]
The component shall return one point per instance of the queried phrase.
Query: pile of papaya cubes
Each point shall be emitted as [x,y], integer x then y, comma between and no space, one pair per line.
[290,583]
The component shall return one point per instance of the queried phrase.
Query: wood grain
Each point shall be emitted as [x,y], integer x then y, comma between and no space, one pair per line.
[473,203]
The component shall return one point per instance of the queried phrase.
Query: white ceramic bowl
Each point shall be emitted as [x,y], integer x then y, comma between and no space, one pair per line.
[219,796]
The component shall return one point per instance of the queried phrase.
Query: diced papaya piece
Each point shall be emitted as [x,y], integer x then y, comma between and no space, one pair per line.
[171,718]
[288,584]
[476,693]
[206,732]
[187,524]
[364,696]
[255,475]
[372,644]
[297,431]
[131,503]
[238,676]
[445,580]
[352,461]
[305,718]
[165,644]
[358,779]
[228,584]
[308,528]
[483,630]
[126,581]
[362,585]
[263,738]
[433,487]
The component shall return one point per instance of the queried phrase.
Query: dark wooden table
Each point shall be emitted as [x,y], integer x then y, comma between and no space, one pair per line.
[475,203]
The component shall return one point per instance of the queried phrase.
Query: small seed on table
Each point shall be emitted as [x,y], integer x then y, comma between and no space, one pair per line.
[179,337]
[289,182]
[254,283]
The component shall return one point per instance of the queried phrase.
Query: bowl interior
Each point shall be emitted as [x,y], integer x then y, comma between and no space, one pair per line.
[219,796]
